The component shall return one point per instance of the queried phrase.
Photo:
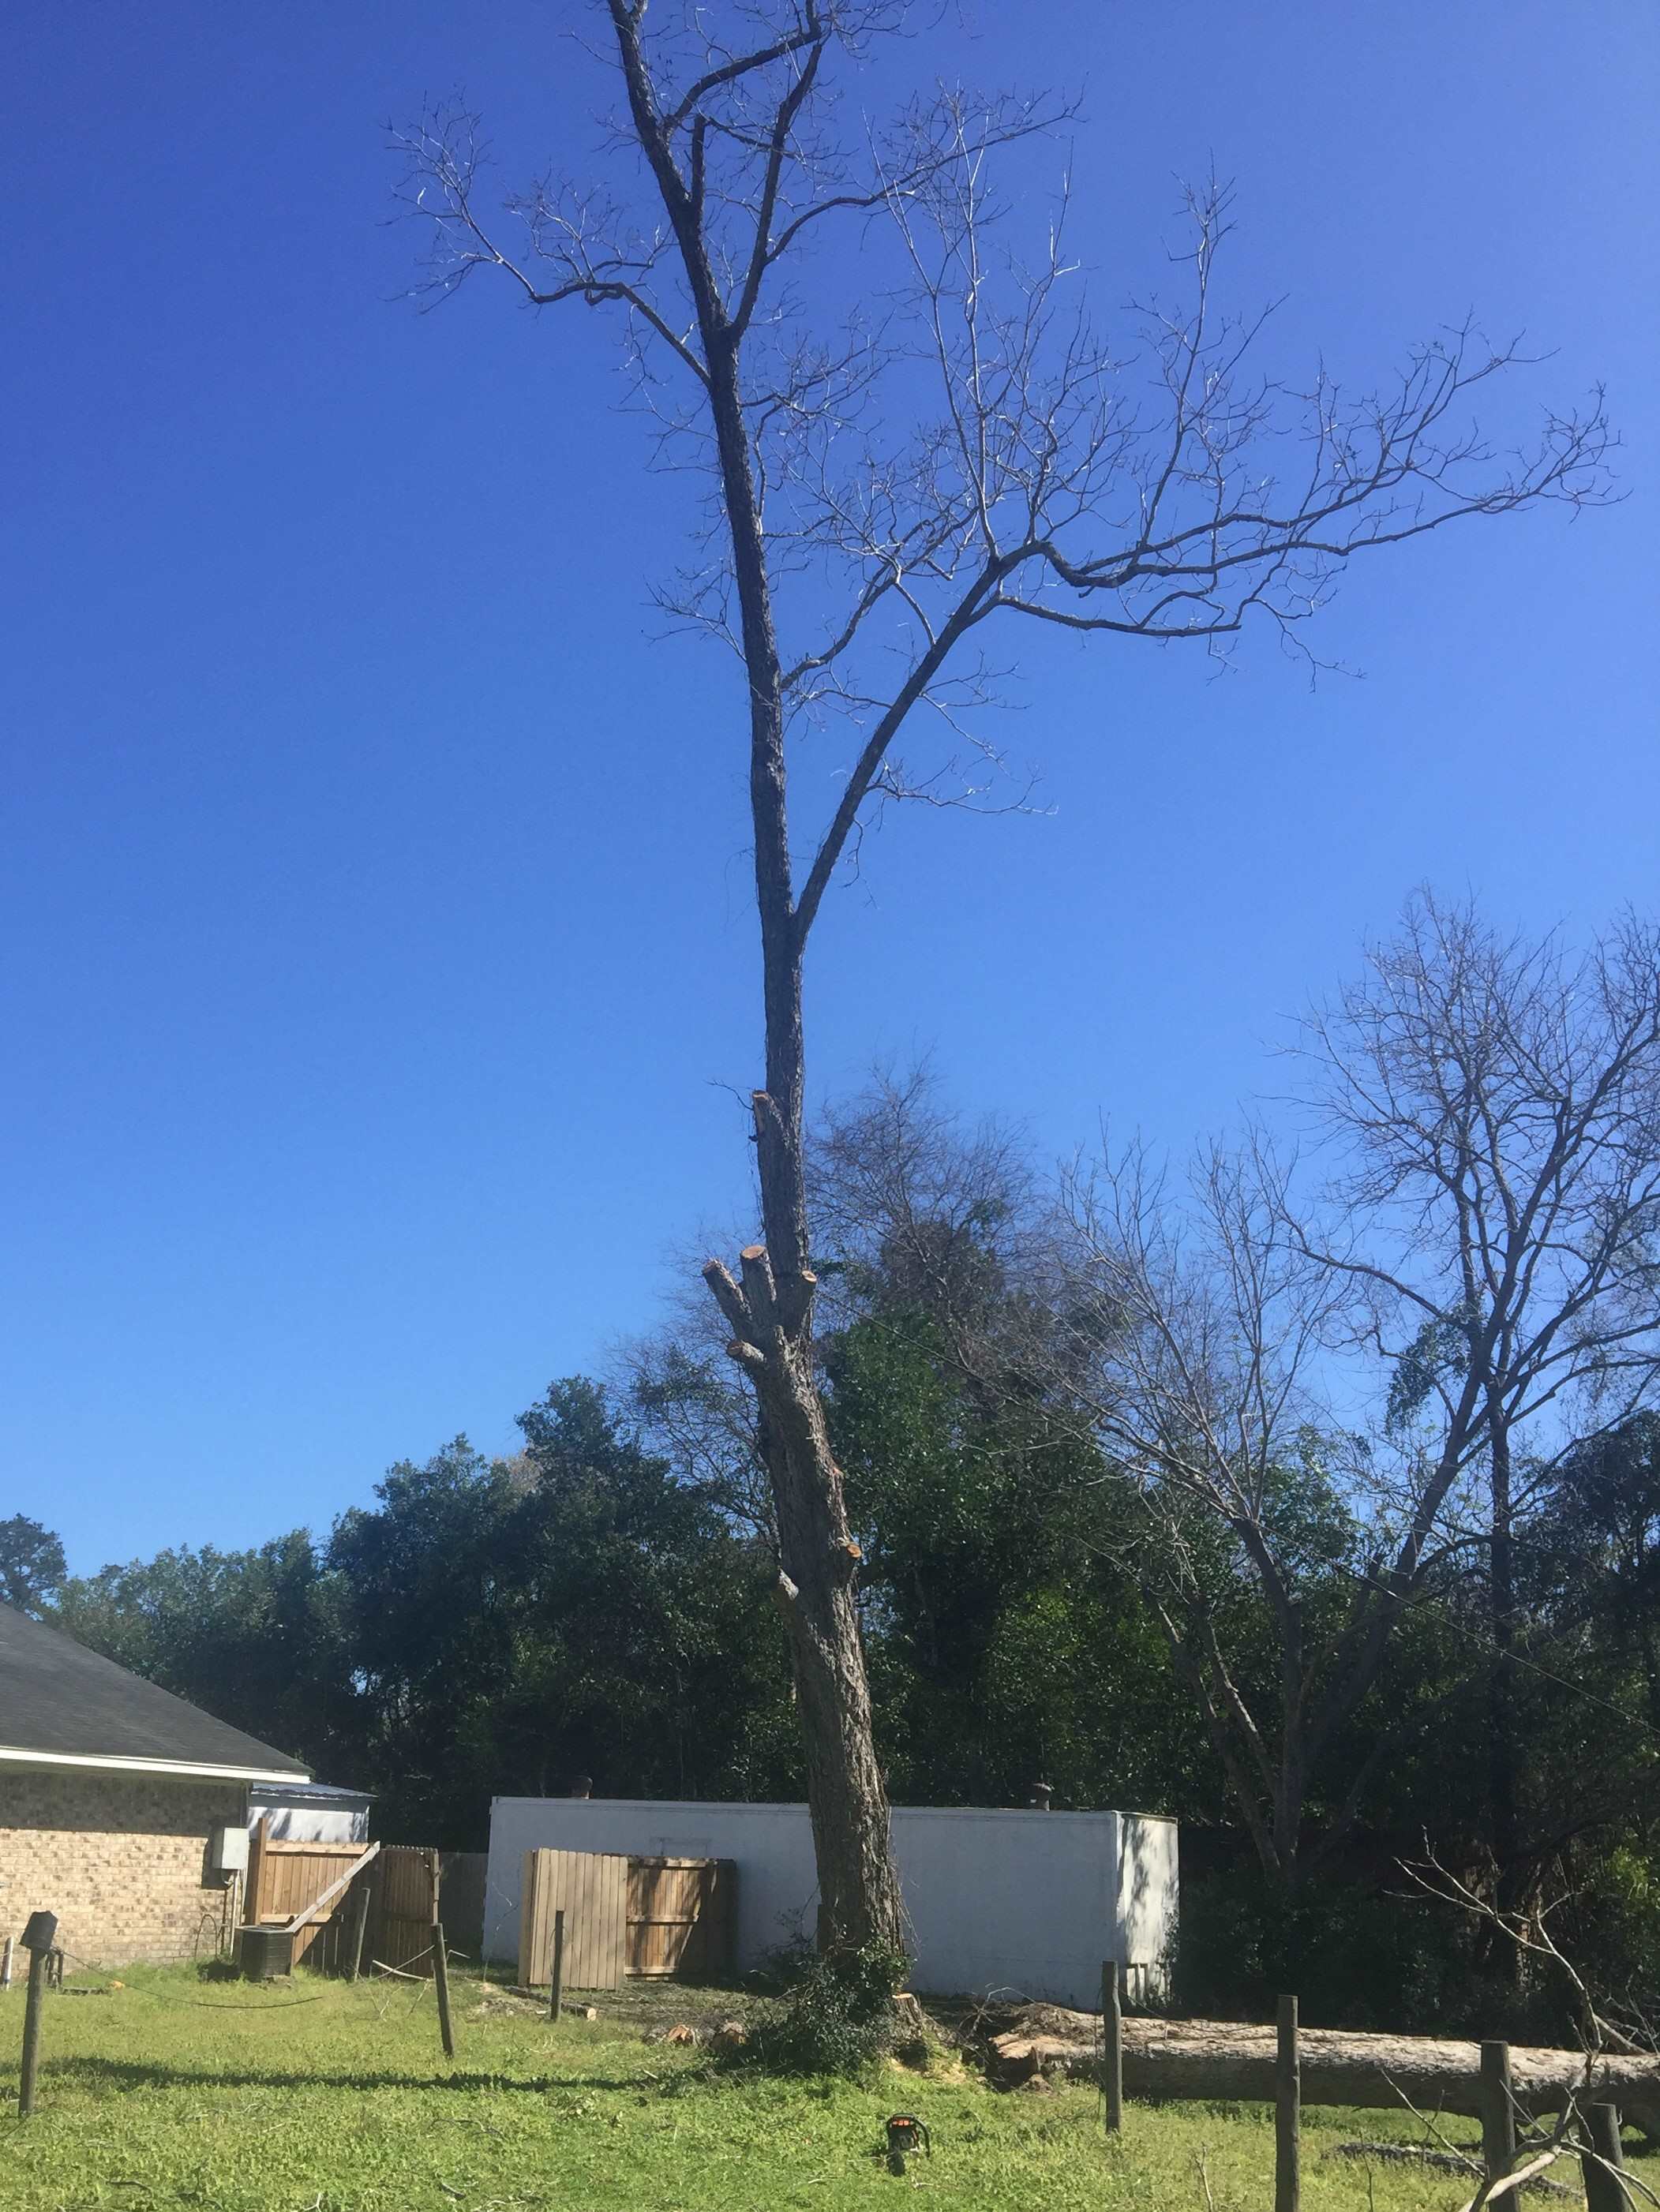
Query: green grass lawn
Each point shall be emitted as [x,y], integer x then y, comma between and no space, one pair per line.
[316,2097]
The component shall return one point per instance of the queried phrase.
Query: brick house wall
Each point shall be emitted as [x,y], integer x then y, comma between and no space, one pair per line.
[122,1859]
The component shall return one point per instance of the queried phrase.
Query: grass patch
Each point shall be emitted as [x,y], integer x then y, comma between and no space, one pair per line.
[314,2097]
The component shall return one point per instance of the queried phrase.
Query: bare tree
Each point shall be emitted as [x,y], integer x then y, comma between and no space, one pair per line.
[1497,1108]
[882,487]
[1202,1330]
[915,1206]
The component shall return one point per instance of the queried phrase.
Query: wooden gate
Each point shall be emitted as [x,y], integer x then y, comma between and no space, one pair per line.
[626,1917]
[401,1919]
[680,1918]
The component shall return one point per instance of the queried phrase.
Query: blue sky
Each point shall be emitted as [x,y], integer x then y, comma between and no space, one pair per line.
[376,936]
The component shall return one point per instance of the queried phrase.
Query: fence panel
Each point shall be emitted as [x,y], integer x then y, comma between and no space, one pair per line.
[590,1889]
[462,1899]
[634,1917]
[285,1878]
[400,1921]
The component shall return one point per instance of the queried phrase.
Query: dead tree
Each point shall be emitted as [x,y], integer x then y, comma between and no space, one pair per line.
[1496,1108]
[1196,1334]
[883,486]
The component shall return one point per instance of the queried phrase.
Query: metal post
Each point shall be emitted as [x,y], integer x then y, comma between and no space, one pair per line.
[1498,2112]
[1605,2192]
[441,1968]
[1287,2113]
[556,1993]
[1112,2046]
[441,1982]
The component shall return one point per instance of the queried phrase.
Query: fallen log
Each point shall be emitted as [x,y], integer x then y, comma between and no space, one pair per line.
[1198,2060]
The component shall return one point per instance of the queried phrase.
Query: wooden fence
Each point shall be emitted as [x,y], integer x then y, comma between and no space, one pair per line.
[285,1878]
[464,1886]
[401,1915]
[626,1917]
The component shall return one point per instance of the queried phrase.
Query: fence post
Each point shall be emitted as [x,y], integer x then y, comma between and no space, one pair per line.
[39,1936]
[440,1964]
[359,1922]
[1497,2111]
[5,1963]
[1287,2112]
[1604,2191]
[557,1993]
[1112,2046]
[441,1982]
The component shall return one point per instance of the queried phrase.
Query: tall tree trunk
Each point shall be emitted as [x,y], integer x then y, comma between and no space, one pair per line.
[858,1894]
[1291,1783]
[771,1311]
[859,1899]
[1504,1749]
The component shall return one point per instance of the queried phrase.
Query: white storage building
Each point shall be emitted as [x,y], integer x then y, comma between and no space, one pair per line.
[1027,1902]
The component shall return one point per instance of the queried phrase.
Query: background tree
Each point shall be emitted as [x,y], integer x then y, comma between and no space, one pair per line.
[32,1564]
[573,1610]
[1006,1639]
[1034,1445]
[259,1638]
[880,493]
[430,1571]
[1203,1326]
[1496,1106]
[1595,1549]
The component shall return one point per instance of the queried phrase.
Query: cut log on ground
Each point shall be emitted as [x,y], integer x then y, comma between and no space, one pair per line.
[1199,2059]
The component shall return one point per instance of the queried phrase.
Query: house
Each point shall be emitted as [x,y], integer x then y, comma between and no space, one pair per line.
[123,1809]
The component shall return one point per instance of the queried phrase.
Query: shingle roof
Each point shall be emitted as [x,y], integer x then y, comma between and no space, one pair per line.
[58,1698]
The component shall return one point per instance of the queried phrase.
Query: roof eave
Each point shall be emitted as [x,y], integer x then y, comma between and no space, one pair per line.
[119,1763]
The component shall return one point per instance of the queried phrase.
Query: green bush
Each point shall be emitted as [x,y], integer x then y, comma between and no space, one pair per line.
[1358,1954]
[835,2015]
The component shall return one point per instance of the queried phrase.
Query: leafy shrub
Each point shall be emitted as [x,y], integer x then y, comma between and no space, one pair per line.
[835,2013]
[1358,1953]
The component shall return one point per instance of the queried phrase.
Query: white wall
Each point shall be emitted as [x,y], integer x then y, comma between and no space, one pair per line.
[772,1845]
[1020,1901]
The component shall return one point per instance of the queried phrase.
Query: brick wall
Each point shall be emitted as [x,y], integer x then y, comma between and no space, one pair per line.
[122,1859]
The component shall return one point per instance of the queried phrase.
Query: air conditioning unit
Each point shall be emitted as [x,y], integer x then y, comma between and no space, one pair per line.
[230,1850]
[266,1952]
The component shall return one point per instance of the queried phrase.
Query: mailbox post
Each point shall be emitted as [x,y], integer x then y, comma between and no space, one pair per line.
[39,1936]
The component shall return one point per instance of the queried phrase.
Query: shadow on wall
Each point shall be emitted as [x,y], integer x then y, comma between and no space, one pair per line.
[1147,1907]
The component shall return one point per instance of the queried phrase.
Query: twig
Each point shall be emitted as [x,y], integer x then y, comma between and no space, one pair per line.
[1522,2173]
[1445,2161]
